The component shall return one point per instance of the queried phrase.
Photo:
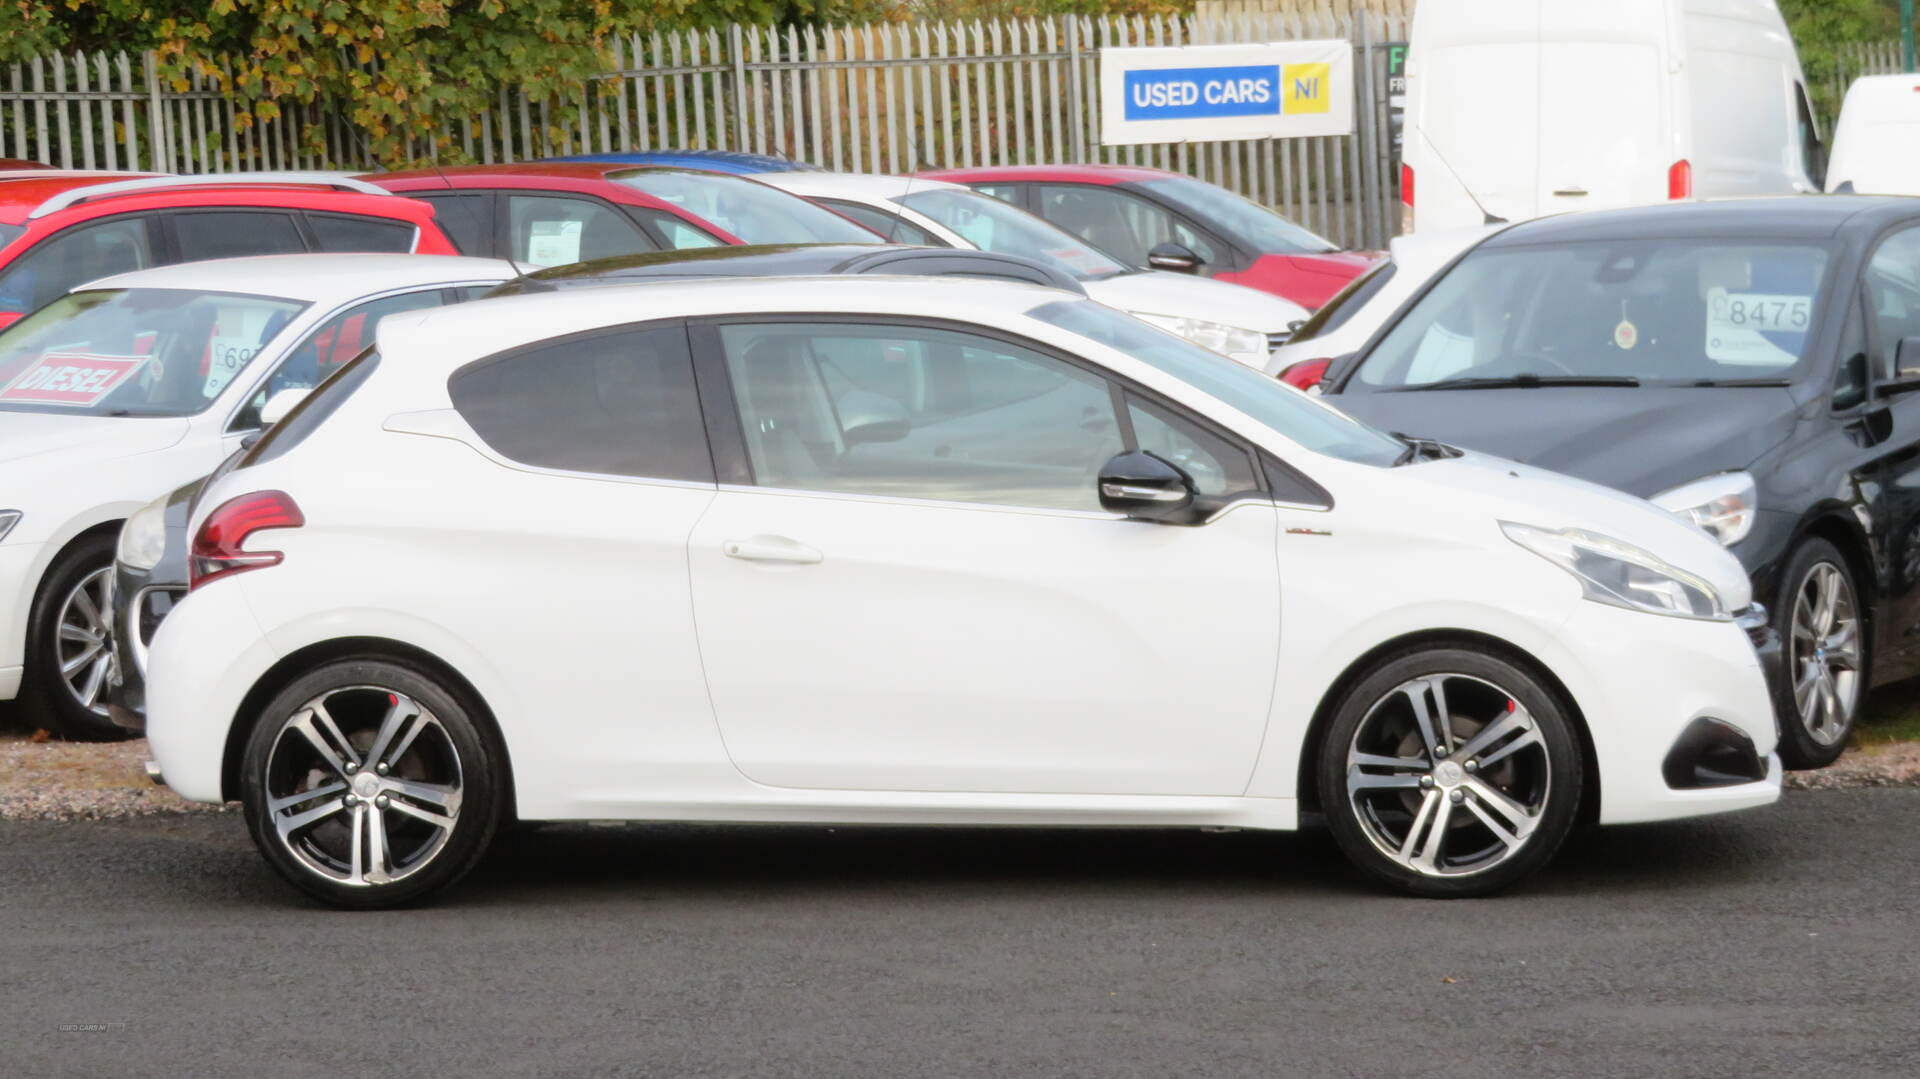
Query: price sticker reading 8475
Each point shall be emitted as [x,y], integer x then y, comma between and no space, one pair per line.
[1738,321]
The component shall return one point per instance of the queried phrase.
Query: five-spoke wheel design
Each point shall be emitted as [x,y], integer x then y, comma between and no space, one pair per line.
[83,640]
[1449,772]
[370,783]
[1824,653]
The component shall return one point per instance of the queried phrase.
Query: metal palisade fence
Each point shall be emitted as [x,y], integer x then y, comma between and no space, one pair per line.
[886,97]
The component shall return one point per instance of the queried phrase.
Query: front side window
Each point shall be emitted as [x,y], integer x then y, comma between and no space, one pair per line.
[226,234]
[1218,467]
[550,231]
[992,225]
[1125,226]
[329,347]
[135,352]
[620,404]
[1678,312]
[1233,215]
[1892,284]
[72,258]
[1305,420]
[918,412]
[753,211]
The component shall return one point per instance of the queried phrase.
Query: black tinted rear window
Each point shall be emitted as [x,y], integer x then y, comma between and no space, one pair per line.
[340,232]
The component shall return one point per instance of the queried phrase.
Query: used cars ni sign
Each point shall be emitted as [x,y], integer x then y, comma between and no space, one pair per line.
[858,550]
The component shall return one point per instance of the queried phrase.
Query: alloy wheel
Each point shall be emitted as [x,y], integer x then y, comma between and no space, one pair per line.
[363,785]
[83,640]
[1448,775]
[1824,653]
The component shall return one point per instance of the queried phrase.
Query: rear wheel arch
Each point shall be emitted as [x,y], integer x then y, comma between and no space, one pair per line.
[1306,789]
[303,660]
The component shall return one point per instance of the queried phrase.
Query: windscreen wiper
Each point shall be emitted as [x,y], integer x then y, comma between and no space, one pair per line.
[1418,448]
[1525,382]
[1741,382]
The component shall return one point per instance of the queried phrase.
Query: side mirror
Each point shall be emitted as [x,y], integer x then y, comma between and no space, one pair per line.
[1140,485]
[280,404]
[1176,257]
[866,417]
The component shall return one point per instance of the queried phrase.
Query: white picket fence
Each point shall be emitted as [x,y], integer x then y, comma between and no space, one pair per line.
[890,97]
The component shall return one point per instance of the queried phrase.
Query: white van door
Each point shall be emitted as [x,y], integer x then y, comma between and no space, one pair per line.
[1606,111]
[1473,73]
[1744,87]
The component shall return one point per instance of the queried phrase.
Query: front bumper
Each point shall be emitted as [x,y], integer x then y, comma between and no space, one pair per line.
[139,604]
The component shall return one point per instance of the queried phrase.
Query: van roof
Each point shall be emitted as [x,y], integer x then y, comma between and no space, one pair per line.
[1796,216]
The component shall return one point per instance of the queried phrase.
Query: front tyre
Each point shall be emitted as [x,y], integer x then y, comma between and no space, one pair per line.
[1822,628]
[368,783]
[71,667]
[1449,772]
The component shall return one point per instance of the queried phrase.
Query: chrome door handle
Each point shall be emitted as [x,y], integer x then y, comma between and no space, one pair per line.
[770,549]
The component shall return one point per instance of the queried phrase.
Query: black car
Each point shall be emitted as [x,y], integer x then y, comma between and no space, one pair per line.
[1747,364]
[142,597]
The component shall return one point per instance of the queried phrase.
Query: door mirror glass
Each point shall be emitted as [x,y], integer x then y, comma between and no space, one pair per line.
[1140,485]
[1906,365]
[867,417]
[280,404]
[1172,256]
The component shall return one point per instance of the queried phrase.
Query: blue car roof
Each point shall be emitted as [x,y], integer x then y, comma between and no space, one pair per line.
[732,161]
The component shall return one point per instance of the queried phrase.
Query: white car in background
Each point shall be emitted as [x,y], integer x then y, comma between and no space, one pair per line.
[1233,320]
[868,550]
[1351,317]
[130,386]
[1876,143]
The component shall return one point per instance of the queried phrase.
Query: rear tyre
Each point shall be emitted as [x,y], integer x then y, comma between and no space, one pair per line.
[368,783]
[1823,630]
[1449,772]
[70,658]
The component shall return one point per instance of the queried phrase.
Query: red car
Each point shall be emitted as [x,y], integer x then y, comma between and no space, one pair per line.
[1151,219]
[59,229]
[552,213]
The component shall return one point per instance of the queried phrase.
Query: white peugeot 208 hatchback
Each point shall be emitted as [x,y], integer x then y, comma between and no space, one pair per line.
[880,551]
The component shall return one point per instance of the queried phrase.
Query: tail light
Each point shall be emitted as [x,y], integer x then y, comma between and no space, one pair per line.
[219,547]
[8,318]
[1680,180]
[1306,374]
[1406,197]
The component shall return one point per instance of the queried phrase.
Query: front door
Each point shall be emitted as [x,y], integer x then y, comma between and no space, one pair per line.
[919,590]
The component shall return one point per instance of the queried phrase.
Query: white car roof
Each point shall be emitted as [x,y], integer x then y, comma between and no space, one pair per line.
[869,186]
[313,278]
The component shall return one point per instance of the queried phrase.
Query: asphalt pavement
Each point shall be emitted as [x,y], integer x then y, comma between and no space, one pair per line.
[1779,942]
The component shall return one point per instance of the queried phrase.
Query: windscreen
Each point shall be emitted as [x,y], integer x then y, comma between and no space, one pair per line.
[1230,215]
[992,225]
[1653,311]
[1304,420]
[750,210]
[135,352]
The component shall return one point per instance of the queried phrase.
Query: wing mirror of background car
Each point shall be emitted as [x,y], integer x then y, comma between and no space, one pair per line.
[279,405]
[1176,257]
[1906,367]
[866,417]
[1142,486]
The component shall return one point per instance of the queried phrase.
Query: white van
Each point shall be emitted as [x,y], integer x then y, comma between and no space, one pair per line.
[1520,108]
[1876,144]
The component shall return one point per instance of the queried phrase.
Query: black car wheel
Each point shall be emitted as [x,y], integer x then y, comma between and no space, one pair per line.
[368,783]
[1823,629]
[1449,772]
[71,664]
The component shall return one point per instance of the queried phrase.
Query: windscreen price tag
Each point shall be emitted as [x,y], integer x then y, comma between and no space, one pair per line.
[74,379]
[1738,322]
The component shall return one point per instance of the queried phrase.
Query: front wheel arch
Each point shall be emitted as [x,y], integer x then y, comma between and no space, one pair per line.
[1306,788]
[299,662]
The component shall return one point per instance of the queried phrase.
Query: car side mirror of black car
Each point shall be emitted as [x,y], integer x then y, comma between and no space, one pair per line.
[1906,368]
[1139,485]
[867,417]
[1178,258]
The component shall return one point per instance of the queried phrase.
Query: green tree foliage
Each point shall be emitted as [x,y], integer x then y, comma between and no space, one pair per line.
[1820,27]
[400,67]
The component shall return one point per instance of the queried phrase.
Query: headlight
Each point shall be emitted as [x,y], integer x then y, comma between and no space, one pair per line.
[8,518]
[143,539]
[1614,572]
[1247,346]
[1723,505]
